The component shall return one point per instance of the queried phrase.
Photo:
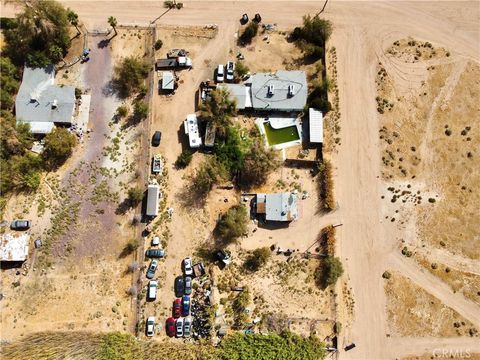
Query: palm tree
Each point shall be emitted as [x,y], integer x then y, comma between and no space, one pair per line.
[112,21]
[73,18]
[219,109]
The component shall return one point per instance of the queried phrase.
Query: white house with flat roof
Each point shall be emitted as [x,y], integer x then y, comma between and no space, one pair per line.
[14,248]
[191,129]
[278,206]
[315,118]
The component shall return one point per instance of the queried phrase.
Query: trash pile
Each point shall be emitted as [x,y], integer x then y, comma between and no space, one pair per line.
[201,312]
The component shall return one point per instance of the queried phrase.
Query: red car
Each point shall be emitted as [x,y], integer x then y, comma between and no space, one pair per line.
[177,308]
[170,327]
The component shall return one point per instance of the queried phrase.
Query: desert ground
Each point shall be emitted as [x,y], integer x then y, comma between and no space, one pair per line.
[369,242]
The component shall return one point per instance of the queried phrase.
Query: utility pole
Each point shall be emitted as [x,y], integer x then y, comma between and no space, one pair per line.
[323,8]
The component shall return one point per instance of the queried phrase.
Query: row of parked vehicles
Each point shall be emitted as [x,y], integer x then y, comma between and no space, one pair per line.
[225,73]
[180,323]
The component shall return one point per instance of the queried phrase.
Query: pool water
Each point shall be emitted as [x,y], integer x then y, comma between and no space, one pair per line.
[280,136]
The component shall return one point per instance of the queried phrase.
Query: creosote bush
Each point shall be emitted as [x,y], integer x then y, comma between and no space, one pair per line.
[325,183]
[257,259]
[184,159]
[232,224]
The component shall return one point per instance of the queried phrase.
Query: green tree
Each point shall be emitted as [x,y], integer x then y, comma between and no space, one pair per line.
[41,25]
[129,75]
[208,174]
[230,151]
[135,196]
[140,110]
[112,21]
[72,17]
[329,272]
[183,159]
[249,33]
[55,53]
[219,109]
[233,224]
[158,44]
[259,163]
[241,69]
[257,258]
[59,145]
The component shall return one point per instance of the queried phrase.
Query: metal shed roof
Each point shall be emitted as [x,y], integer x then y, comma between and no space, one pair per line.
[315,125]
[168,80]
[279,206]
[241,93]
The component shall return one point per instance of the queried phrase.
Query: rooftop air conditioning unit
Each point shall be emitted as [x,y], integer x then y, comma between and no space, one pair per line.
[271,90]
[291,90]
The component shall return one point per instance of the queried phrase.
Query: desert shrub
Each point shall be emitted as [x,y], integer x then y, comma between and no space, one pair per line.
[241,69]
[232,224]
[329,271]
[78,93]
[59,145]
[131,246]
[325,183]
[257,259]
[318,97]
[169,4]
[132,267]
[140,110]
[129,75]
[135,196]
[122,111]
[386,275]
[249,33]
[258,164]
[184,159]
[158,44]
[239,304]
[208,174]
[327,240]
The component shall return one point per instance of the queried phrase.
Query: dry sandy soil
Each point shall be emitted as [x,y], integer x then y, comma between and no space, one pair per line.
[78,280]
[363,34]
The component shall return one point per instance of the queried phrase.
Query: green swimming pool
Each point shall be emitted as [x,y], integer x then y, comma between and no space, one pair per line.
[280,136]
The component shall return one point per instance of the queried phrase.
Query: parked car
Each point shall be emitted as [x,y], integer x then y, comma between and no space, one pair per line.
[187,266]
[151,269]
[257,18]
[157,136]
[350,347]
[230,70]
[185,305]
[177,308]
[179,286]
[188,285]
[170,327]
[150,326]
[20,224]
[244,19]
[155,253]
[152,289]
[187,327]
[220,74]
[179,324]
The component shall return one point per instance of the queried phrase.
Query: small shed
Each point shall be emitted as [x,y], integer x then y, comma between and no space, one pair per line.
[168,81]
[153,194]
[14,248]
[315,125]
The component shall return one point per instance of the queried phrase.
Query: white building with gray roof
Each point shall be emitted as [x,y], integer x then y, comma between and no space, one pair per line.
[41,103]
[278,206]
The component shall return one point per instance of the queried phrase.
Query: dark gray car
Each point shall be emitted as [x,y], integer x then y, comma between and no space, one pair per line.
[179,286]
[188,285]
[151,269]
[20,224]
[155,253]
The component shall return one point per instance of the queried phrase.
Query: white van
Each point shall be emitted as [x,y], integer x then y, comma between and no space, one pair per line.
[152,289]
[220,73]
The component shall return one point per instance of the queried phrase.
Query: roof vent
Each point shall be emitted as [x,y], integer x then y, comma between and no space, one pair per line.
[291,90]
[271,90]
[54,104]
